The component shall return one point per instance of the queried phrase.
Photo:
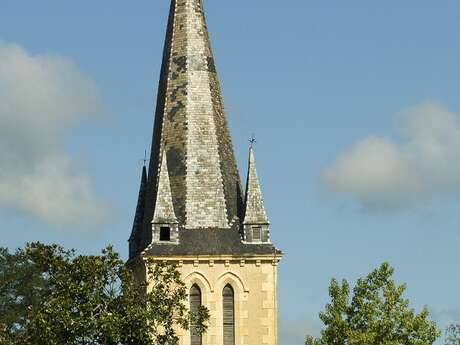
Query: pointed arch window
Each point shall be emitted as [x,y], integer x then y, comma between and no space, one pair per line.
[195,303]
[228,298]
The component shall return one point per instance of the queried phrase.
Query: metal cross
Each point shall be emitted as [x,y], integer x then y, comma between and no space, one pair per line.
[145,158]
[253,140]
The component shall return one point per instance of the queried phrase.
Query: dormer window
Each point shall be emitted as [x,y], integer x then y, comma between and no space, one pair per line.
[165,233]
[257,233]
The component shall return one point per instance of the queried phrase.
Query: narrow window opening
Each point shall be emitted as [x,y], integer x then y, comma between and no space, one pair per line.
[229,315]
[195,303]
[257,233]
[165,233]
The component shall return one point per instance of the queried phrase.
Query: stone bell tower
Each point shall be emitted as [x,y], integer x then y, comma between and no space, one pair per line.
[191,208]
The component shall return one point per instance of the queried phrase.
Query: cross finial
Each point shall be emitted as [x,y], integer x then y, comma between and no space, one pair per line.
[145,158]
[253,140]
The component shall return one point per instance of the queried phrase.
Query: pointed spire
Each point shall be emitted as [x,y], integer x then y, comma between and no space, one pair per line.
[135,238]
[254,203]
[164,209]
[191,128]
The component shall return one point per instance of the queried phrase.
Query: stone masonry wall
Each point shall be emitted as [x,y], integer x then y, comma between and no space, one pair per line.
[255,285]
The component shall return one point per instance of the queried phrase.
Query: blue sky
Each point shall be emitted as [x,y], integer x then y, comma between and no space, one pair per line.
[354,104]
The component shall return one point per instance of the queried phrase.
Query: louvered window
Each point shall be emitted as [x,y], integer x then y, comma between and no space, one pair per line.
[195,303]
[256,233]
[229,315]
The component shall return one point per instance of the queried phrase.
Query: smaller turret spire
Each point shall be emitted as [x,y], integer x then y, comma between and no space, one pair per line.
[255,224]
[164,209]
[164,223]
[135,238]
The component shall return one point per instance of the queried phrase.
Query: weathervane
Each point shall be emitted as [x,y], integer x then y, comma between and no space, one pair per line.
[253,140]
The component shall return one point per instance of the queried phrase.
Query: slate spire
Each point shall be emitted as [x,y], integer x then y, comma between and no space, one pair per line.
[165,227]
[192,202]
[191,129]
[136,233]
[255,222]
[254,203]
[164,209]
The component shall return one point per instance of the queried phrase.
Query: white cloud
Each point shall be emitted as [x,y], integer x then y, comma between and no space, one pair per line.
[42,97]
[446,316]
[383,174]
[295,331]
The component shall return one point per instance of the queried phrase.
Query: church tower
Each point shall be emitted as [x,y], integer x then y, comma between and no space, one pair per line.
[191,208]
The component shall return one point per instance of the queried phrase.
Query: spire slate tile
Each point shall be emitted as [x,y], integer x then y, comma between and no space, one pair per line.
[164,209]
[191,127]
[254,202]
[134,239]
[193,185]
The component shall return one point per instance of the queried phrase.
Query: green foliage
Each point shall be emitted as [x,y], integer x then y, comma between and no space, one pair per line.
[22,287]
[453,335]
[375,314]
[51,296]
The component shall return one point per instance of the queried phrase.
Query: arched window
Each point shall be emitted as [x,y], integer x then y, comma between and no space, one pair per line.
[195,303]
[228,298]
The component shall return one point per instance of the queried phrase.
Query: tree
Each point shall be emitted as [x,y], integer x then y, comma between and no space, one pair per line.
[453,335]
[376,314]
[89,300]
[22,286]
